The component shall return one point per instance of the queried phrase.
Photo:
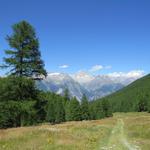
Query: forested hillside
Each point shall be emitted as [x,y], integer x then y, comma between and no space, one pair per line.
[135,97]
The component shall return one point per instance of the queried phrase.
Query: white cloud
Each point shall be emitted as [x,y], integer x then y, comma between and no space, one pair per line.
[99,67]
[64,66]
[130,74]
[96,68]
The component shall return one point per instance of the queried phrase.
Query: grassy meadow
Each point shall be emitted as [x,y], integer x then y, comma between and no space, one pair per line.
[123,131]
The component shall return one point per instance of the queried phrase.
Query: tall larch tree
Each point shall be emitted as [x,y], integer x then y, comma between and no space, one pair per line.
[24,58]
[24,62]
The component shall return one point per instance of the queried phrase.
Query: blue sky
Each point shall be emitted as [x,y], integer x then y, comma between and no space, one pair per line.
[111,35]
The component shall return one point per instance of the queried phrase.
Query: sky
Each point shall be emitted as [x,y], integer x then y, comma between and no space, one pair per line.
[96,36]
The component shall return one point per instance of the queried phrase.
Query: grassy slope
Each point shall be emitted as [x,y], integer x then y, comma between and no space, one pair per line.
[128,131]
[127,98]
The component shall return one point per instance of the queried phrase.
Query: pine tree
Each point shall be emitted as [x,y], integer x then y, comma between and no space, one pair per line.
[74,110]
[92,110]
[106,108]
[10,89]
[24,59]
[50,117]
[59,111]
[142,105]
[99,111]
[67,111]
[85,108]
[66,95]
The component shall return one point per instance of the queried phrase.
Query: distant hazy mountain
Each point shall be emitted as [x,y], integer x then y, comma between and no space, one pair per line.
[84,83]
[58,82]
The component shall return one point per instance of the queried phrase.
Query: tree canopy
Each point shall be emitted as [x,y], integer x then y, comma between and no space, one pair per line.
[24,58]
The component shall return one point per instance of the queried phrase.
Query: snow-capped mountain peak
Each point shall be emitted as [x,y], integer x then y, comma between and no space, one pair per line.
[82,77]
[84,83]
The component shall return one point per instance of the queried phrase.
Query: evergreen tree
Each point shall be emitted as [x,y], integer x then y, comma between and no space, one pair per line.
[18,89]
[142,105]
[14,113]
[148,105]
[40,106]
[99,111]
[67,111]
[27,114]
[85,108]
[10,89]
[74,110]
[50,117]
[59,111]
[106,108]
[92,110]
[24,59]
[66,95]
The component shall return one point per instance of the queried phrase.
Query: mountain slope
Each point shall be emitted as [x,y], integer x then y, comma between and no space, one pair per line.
[58,82]
[133,97]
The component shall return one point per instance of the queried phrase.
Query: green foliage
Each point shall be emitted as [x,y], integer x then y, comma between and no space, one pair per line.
[28,113]
[106,108]
[25,105]
[14,113]
[85,108]
[24,57]
[9,114]
[67,111]
[66,95]
[142,105]
[97,110]
[50,117]
[17,102]
[20,101]
[92,110]
[55,108]
[16,88]
[40,107]
[59,111]
[74,111]
[100,109]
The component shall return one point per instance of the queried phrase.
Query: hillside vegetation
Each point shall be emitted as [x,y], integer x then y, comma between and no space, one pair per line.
[124,131]
[135,97]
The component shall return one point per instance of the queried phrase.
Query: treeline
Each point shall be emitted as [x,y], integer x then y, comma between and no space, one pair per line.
[34,106]
[60,109]
[133,98]
[21,103]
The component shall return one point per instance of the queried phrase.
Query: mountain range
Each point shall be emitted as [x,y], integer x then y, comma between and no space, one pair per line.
[93,86]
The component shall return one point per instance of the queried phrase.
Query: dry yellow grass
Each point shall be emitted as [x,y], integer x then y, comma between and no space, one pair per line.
[131,132]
